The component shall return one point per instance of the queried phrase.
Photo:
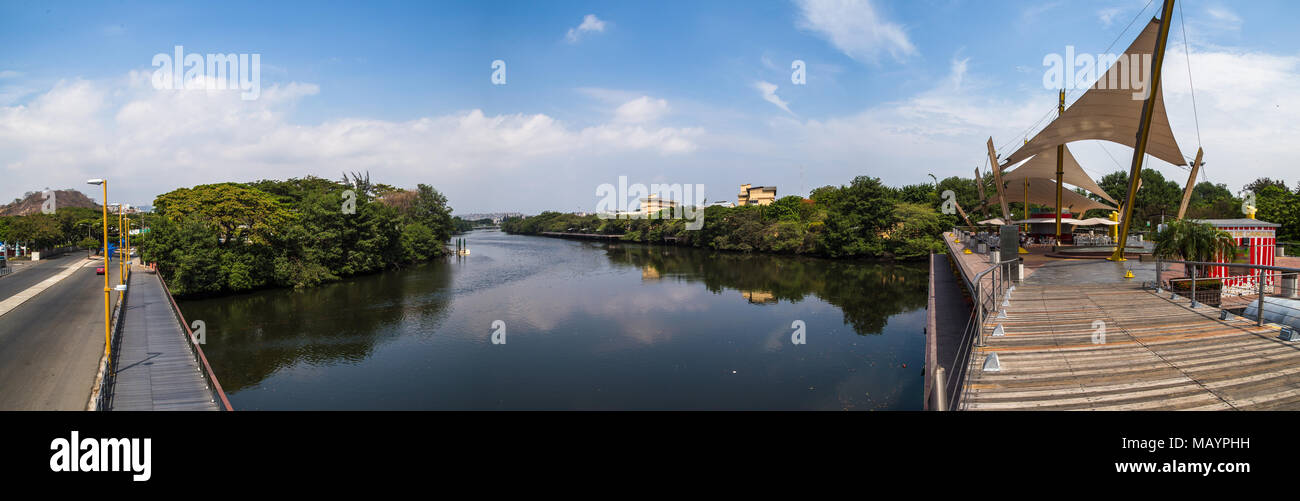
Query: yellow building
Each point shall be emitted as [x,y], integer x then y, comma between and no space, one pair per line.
[756,195]
[653,204]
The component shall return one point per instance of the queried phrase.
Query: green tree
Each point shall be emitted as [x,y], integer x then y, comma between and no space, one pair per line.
[857,214]
[238,212]
[40,231]
[1192,241]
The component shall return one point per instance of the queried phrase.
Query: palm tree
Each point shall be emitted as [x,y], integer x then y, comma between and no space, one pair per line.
[1192,241]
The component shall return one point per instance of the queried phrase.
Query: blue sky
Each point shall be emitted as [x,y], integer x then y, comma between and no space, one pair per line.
[661,92]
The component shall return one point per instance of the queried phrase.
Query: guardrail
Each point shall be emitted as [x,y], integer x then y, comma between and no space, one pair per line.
[949,388]
[1281,282]
[218,395]
[105,397]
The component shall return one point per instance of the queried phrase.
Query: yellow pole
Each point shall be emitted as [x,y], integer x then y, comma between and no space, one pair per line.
[1060,170]
[1144,130]
[1026,205]
[107,345]
[128,249]
[120,251]
[1026,199]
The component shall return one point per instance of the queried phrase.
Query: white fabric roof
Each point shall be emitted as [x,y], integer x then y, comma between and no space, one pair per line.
[1043,192]
[1043,166]
[1109,112]
[1068,220]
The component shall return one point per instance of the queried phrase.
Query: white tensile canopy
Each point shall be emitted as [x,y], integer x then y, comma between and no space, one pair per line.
[1068,220]
[1109,111]
[1043,166]
[1043,192]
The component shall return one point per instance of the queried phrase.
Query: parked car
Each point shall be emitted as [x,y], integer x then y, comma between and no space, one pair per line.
[99,270]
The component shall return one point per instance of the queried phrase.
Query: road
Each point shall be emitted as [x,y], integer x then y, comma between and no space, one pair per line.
[51,345]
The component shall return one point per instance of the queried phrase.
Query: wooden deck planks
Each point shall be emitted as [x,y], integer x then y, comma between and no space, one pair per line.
[1158,354]
[155,368]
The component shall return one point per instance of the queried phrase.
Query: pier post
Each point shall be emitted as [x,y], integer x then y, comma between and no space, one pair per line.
[940,392]
[1259,318]
[1193,286]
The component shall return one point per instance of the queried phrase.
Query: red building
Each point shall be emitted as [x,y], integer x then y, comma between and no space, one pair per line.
[1256,244]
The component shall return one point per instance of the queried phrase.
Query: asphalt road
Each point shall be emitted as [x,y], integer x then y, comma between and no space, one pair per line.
[50,346]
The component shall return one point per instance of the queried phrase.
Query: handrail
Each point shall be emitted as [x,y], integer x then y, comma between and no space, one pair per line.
[195,349]
[1282,270]
[975,286]
[1233,265]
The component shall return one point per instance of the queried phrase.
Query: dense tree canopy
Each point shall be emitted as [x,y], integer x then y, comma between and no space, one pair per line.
[297,233]
[864,219]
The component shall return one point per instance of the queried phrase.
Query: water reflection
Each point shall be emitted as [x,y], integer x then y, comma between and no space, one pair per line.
[254,335]
[867,292]
[590,326]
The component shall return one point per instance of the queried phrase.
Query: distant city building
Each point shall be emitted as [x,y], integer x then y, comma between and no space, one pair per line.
[756,195]
[496,217]
[653,204]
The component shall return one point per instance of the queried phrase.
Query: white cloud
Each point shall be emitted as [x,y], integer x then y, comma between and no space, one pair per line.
[768,91]
[590,23]
[959,71]
[641,109]
[1245,99]
[855,28]
[1224,15]
[151,141]
[1107,15]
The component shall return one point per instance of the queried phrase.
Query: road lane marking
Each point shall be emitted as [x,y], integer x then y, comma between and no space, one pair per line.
[13,301]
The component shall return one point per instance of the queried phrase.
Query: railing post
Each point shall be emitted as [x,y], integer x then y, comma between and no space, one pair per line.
[1193,286]
[1259,320]
[940,392]
[1158,286]
[979,312]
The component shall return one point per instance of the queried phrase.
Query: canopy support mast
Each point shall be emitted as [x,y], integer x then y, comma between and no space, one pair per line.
[1191,183]
[1144,128]
[1060,169]
[997,180]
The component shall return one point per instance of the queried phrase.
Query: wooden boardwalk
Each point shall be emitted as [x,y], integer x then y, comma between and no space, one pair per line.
[155,368]
[1157,354]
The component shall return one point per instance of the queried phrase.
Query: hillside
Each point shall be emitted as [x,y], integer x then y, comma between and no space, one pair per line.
[31,204]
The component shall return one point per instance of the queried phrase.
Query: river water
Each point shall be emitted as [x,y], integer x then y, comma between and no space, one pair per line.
[586,325]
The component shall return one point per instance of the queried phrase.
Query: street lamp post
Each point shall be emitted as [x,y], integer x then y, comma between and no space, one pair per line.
[118,209]
[107,344]
[127,251]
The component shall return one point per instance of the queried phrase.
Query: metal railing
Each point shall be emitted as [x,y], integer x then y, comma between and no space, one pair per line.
[950,387]
[108,383]
[1281,282]
[218,395]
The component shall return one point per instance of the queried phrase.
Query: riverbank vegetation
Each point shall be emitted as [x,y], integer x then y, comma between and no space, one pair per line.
[67,226]
[863,219]
[232,237]
[869,219]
